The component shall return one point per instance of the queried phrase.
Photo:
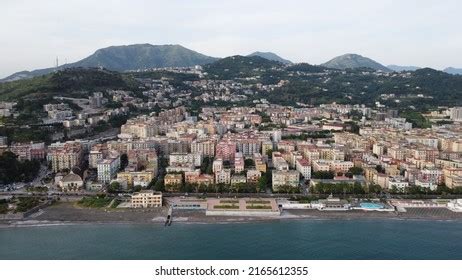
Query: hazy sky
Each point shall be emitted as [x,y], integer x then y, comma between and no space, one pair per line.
[406,32]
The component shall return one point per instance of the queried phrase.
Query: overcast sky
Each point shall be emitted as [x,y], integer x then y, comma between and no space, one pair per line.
[406,32]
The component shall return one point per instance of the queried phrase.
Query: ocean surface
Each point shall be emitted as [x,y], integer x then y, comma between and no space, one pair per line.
[302,239]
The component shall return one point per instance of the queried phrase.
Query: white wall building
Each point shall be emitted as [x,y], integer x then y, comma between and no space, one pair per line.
[107,169]
[304,167]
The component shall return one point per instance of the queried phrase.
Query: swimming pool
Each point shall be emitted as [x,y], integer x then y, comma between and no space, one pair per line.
[371,205]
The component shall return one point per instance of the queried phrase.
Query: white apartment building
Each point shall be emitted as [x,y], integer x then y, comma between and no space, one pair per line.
[378,149]
[239,163]
[184,158]
[397,182]
[204,148]
[279,163]
[217,165]
[456,114]
[107,169]
[223,176]
[304,167]
[285,178]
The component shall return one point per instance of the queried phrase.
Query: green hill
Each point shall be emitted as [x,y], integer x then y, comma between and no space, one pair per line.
[271,56]
[64,81]
[353,61]
[131,57]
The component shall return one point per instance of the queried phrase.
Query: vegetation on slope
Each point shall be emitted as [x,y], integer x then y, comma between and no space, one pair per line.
[65,81]
[13,170]
[239,67]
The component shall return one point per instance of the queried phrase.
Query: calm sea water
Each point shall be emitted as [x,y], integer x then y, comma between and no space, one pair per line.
[354,239]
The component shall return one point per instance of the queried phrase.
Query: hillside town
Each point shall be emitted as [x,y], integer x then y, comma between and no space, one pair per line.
[264,150]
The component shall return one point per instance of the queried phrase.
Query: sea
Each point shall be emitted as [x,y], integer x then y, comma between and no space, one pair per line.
[295,239]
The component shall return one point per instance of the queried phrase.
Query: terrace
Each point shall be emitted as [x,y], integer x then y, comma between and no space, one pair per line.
[242,207]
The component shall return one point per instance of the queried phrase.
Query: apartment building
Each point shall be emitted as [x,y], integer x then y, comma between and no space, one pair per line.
[173,179]
[204,148]
[285,178]
[136,178]
[226,150]
[304,167]
[195,177]
[185,159]
[107,169]
[217,165]
[279,163]
[248,146]
[65,155]
[223,176]
[266,146]
[260,165]
[29,151]
[239,163]
[336,166]
[320,165]
[146,199]
[253,175]
[140,129]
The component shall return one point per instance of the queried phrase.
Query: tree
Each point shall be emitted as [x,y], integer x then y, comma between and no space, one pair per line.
[137,188]
[339,188]
[269,152]
[355,170]
[13,170]
[207,165]
[323,175]
[443,189]
[374,188]
[249,163]
[114,187]
[159,185]
[262,182]
[380,169]
[118,120]
[288,189]
[123,161]
[152,183]
[3,207]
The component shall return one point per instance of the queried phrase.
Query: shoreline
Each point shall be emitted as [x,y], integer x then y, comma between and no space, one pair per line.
[37,224]
[66,214]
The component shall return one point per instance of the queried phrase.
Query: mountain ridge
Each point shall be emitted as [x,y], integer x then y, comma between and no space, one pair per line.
[351,60]
[401,68]
[129,57]
[453,71]
[271,56]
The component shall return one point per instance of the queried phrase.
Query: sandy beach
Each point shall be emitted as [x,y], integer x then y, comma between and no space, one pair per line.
[65,213]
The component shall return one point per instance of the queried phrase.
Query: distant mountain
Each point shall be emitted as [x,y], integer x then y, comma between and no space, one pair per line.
[271,56]
[239,66]
[454,71]
[354,61]
[131,57]
[398,68]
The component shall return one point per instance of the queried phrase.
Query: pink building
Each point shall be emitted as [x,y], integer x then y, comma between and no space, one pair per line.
[226,150]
